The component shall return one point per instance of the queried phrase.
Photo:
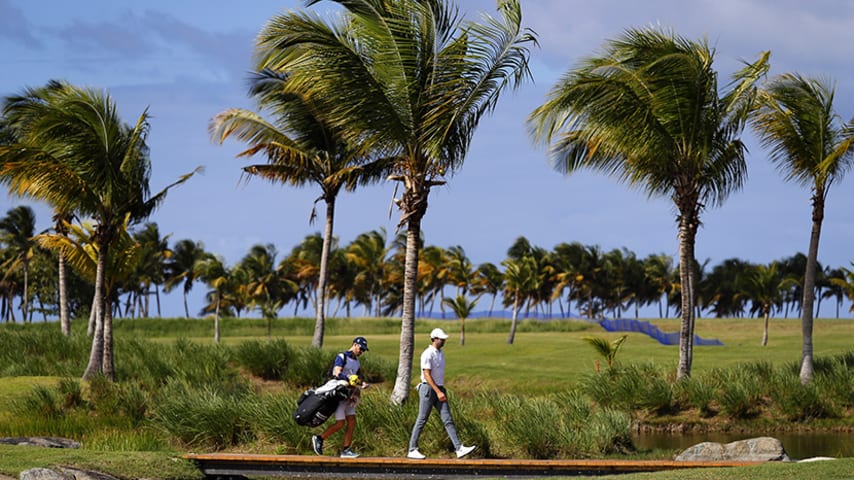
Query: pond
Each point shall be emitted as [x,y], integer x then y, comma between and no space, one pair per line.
[798,445]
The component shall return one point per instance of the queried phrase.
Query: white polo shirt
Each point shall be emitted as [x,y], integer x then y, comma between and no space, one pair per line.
[433,359]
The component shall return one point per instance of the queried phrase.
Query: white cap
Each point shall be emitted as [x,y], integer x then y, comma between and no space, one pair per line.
[438,333]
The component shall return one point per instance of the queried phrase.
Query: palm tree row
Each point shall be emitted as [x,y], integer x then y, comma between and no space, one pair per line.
[574,279]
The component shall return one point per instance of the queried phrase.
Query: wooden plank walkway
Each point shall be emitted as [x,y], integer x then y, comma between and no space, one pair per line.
[234,466]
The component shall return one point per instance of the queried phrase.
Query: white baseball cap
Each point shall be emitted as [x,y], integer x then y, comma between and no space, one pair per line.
[438,333]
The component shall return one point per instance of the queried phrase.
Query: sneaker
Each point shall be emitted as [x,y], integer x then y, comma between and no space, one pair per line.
[464,450]
[347,453]
[317,444]
[415,454]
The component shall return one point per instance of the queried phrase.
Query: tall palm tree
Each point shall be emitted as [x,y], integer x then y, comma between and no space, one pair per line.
[813,147]
[75,152]
[648,112]
[17,229]
[519,276]
[410,79]
[181,268]
[302,146]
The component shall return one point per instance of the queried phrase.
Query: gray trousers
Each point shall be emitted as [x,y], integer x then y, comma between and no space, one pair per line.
[427,401]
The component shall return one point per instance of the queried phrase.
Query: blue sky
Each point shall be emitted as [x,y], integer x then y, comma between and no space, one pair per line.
[188,60]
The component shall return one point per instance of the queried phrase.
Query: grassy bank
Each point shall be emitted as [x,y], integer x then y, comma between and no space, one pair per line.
[541,397]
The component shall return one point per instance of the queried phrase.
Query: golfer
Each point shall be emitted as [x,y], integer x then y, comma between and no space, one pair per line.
[432,394]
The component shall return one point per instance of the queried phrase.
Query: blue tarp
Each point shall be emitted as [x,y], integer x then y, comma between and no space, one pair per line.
[611,325]
[632,325]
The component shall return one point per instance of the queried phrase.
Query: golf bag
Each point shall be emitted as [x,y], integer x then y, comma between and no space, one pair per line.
[314,407]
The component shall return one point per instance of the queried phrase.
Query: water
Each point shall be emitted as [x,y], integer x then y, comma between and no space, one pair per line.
[798,445]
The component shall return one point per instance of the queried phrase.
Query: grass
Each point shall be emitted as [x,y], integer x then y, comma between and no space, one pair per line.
[161,465]
[177,373]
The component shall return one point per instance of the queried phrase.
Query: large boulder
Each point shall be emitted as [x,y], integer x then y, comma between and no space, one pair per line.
[762,449]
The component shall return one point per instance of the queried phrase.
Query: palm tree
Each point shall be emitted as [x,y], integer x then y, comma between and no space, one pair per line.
[811,145]
[368,254]
[659,270]
[460,269]
[151,268]
[648,112]
[462,308]
[302,147]
[211,269]
[74,151]
[181,268]
[17,229]
[608,350]
[488,279]
[411,80]
[519,275]
[846,283]
[762,285]
[833,289]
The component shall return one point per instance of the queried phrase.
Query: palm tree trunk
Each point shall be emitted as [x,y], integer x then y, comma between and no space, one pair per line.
[806,373]
[107,363]
[765,330]
[513,323]
[687,235]
[157,298]
[64,322]
[25,299]
[186,308]
[320,320]
[216,318]
[400,393]
[96,354]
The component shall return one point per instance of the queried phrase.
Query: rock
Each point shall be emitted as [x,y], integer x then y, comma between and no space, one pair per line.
[44,474]
[762,449]
[78,474]
[50,442]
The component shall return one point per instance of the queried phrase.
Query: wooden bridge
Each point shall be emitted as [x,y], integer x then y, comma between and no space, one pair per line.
[238,466]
